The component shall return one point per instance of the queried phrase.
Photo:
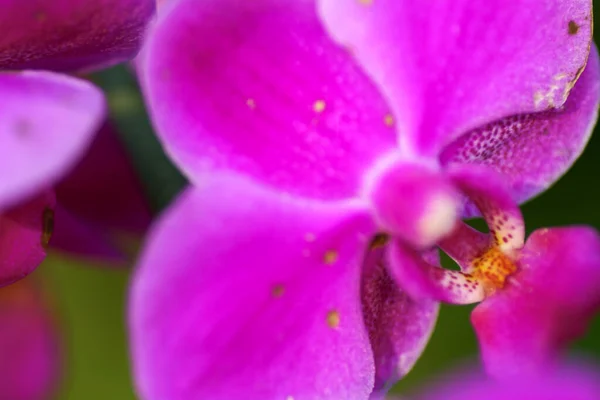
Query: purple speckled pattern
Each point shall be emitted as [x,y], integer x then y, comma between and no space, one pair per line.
[71,35]
[534,150]
[399,326]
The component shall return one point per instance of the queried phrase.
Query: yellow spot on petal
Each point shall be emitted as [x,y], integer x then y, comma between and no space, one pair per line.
[47,226]
[366,2]
[333,319]
[330,257]
[310,237]
[388,120]
[319,106]
[278,291]
[251,103]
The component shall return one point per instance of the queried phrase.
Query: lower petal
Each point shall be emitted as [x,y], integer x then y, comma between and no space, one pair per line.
[547,304]
[242,293]
[399,326]
[24,234]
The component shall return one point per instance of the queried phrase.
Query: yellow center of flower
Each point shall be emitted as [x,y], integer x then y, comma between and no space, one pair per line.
[492,268]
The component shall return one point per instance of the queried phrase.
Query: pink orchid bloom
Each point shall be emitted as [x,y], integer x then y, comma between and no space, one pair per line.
[49,119]
[331,146]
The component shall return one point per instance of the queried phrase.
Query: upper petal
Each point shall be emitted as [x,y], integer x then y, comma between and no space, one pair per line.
[68,35]
[545,305]
[244,294]
[399,326]
[29,347]
[533,150]
[264,92]
[451,66]
[24,234]
[47,122]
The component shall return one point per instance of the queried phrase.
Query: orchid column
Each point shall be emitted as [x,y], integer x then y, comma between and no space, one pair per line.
[332,147]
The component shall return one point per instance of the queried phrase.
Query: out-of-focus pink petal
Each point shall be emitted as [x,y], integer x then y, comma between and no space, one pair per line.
[243,293]
[47,122]
[545,305]
[84,239]
[423,280]
[451,66]
[24,234]
[399,327]
[265,93]
[68,35]
[29,347]
[104,189]
[533,150]
[573,382]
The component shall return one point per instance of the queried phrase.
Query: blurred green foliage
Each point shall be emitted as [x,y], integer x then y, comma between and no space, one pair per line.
[91,300]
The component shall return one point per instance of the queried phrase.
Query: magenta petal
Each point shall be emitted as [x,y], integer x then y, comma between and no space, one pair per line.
[24,234]
[451,66]
[534,150]
[545,305]
[68,35]
[244,294]
[29,347]
[399,327]
[47,122]
[265,93]
[103,188]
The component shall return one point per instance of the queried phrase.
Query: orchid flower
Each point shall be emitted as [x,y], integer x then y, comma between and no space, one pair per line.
[29,343]
[332,146]
[48,119]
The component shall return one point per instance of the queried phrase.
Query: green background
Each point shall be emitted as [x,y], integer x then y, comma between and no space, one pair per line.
[91,299]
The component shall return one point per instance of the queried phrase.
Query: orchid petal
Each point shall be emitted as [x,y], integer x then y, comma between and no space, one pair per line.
[422,280]
[243,293]
[399,327]
[47,122]
[103,188]
[451,66]
[546,304]
[532,151]
[29,346]
[24,234]
[264,93]
[70,35]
